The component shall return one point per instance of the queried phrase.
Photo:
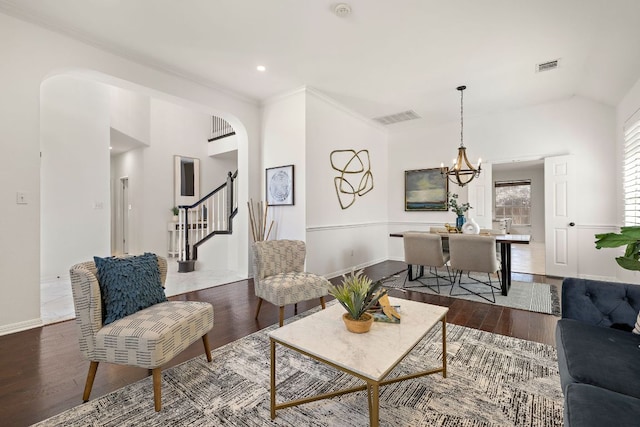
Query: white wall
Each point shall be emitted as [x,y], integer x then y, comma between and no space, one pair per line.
[574,126]
[536,175]
[130,113]
[75,200]
[284,143]
[339,239]
[30,54]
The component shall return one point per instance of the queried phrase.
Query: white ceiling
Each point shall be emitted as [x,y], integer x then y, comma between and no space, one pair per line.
[383,58]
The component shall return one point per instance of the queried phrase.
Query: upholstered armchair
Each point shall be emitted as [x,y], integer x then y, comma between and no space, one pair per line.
[148,338]
[279,276]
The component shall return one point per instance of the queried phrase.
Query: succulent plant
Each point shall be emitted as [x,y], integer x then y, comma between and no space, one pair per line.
[357,293]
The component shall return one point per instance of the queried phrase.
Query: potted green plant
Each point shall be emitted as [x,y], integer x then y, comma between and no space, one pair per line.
[357,293]
[459,210]
[629,236]
[175,212]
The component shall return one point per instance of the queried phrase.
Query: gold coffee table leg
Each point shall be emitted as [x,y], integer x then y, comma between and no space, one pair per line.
[444,346]
[374,409]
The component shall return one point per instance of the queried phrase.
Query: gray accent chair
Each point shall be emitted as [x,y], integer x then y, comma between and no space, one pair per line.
[425,250]
[474,253]
[598,356]
[279,276]
[147,339]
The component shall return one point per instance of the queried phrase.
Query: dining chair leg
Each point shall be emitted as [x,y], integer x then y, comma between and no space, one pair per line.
[157,389]
[93,367]
[322,303]
[281,316]
[259,305]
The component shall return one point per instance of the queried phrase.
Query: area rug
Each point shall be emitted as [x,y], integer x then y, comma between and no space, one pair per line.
[530,296]
[492,380]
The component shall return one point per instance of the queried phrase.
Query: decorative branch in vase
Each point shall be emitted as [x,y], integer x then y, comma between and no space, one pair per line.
[459,210]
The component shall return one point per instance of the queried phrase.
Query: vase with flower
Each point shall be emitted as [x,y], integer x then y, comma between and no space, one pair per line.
[458,209]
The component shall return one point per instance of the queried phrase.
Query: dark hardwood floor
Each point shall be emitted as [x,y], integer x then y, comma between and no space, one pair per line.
[42,374]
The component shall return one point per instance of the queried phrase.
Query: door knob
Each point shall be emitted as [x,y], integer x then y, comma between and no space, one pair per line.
[572,224]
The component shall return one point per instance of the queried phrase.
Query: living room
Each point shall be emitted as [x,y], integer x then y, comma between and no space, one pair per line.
[573,112]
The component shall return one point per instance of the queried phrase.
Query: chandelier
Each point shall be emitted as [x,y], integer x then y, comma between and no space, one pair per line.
[462,171]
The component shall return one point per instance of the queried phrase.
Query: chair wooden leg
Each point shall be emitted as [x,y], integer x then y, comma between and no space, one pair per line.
[322,303]
[259,305]
[207,348]
[281,315]
[89,384]
[157,388]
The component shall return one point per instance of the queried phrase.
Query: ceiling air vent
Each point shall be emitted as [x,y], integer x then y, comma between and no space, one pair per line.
[398,117]
[549,65]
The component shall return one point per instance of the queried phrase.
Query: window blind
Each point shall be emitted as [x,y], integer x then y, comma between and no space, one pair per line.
[631,171]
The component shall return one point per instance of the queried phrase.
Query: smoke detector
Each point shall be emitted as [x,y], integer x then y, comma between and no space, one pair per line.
[342,9]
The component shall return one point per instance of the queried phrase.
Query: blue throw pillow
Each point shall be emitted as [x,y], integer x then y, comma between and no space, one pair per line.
[128,285]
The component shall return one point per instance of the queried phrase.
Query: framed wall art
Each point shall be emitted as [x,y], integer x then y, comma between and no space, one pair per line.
[279,186]
[425,190]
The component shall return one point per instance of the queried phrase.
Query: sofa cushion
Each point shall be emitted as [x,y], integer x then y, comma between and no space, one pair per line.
[603,357]
[128,285]
[600,303]
[586,405]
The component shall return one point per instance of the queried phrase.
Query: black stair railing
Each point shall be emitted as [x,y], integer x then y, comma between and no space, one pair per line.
[213,214]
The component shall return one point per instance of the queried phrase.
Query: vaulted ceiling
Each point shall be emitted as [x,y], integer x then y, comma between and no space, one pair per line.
[384,57]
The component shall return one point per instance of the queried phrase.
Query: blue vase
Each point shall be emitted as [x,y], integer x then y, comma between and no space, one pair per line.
[460,219]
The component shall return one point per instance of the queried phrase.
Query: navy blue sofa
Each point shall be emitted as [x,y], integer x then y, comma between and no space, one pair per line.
[598,355]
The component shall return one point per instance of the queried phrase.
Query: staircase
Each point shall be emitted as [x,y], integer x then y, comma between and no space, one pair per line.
[211,215]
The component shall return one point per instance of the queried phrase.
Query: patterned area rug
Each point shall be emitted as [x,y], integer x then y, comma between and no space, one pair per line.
[530,296]
[492,380]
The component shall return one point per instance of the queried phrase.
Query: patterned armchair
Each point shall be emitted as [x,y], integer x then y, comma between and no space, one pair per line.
[279,276]
[148,338]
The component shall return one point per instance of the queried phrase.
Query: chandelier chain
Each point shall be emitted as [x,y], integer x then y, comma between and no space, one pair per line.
[461,116]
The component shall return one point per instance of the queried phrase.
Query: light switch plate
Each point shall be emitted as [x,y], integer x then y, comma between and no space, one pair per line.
[21,198]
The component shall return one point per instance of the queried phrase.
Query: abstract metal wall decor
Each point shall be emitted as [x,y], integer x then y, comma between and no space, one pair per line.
[356,166]
[425,190]
[279,186]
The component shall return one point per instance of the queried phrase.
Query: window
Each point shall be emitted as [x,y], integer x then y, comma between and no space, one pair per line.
[631,171]
[513,200]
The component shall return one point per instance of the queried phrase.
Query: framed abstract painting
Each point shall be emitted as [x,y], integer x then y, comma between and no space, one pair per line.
[425,190]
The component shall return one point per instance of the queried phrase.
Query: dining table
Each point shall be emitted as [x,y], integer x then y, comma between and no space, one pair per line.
[504,241]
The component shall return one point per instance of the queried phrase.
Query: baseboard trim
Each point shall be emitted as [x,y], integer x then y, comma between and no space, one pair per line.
[354,268]
[20,326]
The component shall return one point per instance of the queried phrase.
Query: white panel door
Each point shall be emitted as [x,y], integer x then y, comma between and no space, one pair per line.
[480,195]
[560,199]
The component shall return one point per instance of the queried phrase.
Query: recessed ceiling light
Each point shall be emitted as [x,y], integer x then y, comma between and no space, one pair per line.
[110,148]
[261,68]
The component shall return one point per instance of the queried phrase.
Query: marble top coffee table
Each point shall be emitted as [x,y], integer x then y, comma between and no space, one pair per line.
[370,356]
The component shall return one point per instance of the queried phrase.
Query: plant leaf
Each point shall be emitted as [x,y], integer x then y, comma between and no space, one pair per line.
[613,240]
[628,263]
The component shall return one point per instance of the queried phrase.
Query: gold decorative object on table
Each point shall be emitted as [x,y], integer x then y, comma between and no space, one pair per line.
[388,309]
[451,228]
